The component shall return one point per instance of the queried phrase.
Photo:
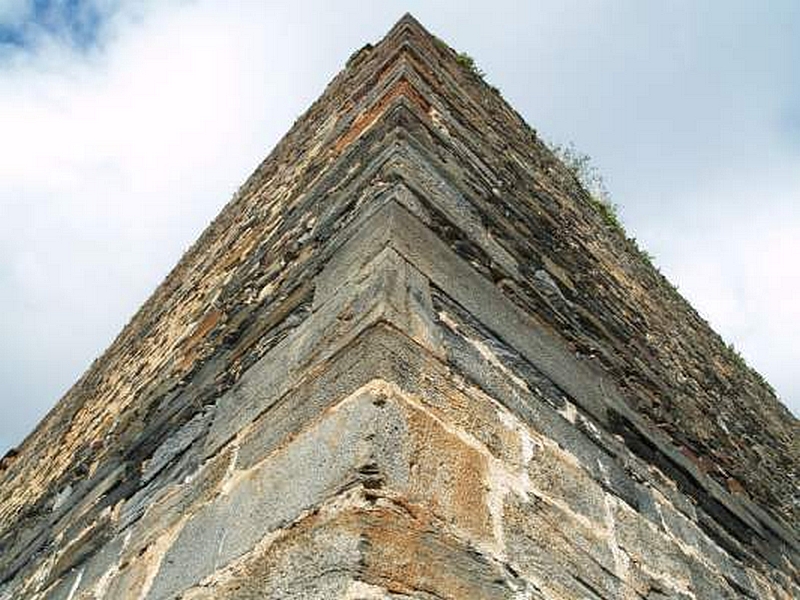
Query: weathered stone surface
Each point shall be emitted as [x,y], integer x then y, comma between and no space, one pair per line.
[408,360]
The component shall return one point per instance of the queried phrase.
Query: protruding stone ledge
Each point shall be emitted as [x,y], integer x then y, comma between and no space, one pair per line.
[395,227]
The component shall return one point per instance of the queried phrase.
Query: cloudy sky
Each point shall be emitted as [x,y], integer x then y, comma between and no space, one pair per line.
[126,125]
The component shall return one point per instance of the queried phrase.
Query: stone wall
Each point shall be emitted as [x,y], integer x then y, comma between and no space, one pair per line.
[408,360]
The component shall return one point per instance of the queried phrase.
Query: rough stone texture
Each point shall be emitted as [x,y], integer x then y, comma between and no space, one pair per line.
[409,360]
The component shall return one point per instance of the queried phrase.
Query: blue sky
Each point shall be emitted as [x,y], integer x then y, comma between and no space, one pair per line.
[75,21]
[126,126]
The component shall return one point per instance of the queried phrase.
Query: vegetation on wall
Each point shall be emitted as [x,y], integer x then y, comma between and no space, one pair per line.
[581,167]
[466,61]
[590,178]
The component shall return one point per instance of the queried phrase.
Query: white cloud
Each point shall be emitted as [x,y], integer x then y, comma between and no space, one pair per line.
[14,12]
[734,257]
[113,161]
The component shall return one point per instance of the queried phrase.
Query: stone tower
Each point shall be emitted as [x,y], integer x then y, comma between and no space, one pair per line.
[409,359]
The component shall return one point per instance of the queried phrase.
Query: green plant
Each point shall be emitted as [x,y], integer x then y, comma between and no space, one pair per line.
[442,45]
[466,61]
[580,165]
